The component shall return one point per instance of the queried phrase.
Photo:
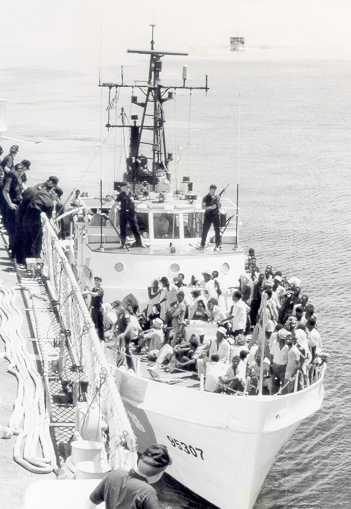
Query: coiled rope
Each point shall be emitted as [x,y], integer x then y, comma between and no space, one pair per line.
[33,448]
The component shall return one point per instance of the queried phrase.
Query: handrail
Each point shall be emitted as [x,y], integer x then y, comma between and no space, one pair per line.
[77,320]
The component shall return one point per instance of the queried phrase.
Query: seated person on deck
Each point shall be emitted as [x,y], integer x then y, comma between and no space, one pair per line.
[235,378]
[153,338]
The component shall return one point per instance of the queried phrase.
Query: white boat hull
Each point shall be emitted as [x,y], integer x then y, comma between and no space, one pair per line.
[222,446]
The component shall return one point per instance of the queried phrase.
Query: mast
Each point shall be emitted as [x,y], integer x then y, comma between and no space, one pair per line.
[141,166]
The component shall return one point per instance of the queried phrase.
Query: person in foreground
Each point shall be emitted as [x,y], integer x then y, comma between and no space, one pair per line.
[132,490]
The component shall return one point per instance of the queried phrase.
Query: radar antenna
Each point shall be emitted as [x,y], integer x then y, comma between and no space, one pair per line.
[152,121]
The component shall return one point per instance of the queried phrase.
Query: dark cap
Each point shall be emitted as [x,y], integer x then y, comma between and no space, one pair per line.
[156,456]
[26,164]
[58,191]
[53,179]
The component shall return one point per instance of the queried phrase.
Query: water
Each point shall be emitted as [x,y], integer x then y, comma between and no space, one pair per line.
[281,129]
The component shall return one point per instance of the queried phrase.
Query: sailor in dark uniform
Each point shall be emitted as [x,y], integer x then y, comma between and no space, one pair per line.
[8,163]
[12,196]
[32,229]
[211,203]
[97,315]
[24,236]
[127,216]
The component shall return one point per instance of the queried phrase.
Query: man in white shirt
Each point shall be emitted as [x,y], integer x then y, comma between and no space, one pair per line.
[294,358]
[238,314]
[234,378]
[154,337]
[280,358]
[210,290]
[220,347]
[313,337]
[216,314]
[278,291]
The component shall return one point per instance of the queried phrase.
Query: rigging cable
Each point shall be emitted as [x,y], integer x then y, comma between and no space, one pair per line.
[188,145]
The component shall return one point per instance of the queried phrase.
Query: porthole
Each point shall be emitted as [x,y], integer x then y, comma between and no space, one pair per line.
[119,267]
[225,268]
[174,268]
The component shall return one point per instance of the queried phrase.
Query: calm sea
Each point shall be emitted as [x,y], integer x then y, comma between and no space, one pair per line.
[282,130]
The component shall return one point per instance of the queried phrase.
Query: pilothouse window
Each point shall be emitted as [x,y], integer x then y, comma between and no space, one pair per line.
[193,224]
[166,226]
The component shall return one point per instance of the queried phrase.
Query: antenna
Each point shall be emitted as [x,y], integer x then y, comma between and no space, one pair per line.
[152,121]
[152,43]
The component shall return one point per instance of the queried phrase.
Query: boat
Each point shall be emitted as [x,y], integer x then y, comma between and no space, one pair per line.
[222,446]
[237,43]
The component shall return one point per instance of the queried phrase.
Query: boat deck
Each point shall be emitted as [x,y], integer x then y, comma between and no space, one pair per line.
[184,378]
[186,250]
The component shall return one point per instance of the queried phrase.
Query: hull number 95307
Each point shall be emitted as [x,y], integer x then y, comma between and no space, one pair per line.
[188,449]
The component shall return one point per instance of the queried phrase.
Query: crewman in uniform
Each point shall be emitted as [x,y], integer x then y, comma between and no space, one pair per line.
[39,201]
[211,203]
[8,163]
[97,295]
[127,216]
[121,489]
[22,234]
[12,196]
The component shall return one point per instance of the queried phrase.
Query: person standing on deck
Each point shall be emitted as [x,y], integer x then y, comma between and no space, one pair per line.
[12,195]
[97,295]
[23,236]
[32,228]
[127,216]
[211,203]
[238,314]
[8,163]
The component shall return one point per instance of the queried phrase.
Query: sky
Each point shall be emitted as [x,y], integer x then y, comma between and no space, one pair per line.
[98,31]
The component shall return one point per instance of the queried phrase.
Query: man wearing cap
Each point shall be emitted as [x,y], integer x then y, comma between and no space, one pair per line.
[211,203]
[35,199]
[220,346]
[127,216]
[121,489]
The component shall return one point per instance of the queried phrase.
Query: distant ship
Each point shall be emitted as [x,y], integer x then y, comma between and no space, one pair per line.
[237,43]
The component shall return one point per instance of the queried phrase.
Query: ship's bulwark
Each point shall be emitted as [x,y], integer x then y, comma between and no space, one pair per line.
[222,446]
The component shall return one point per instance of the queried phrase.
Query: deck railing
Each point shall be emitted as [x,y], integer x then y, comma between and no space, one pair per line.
[85,351]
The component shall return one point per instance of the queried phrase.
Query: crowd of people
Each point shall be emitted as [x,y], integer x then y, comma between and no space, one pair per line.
[21,205]
[186,325]
[266,340]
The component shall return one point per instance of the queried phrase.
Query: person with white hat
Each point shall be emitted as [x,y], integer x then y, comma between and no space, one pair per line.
[220,346]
